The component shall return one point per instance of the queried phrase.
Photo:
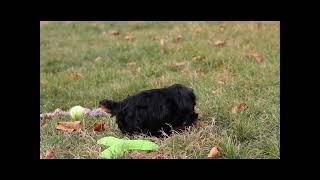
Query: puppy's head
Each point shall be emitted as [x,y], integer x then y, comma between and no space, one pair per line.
[109,106]
[186,93]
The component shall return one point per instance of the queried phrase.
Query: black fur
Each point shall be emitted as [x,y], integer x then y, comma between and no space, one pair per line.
[153,110]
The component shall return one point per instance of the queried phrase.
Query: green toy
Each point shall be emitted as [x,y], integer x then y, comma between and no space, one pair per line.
[117,147]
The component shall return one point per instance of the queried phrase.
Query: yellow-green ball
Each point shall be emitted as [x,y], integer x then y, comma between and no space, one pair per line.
[76,112]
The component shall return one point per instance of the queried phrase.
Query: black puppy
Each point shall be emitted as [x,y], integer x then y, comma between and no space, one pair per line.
[154,110]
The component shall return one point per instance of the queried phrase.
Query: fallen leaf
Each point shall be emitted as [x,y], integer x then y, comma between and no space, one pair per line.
[131,63]
[162,42]
[239,108]
[98,126]
[257,57]
[187,71]
[200,72]
[221,28]
[73,124]
[154,38]
[214,153]
[179,64]
[197,57]
[164,50]
[129,37]
[221,82]
[216,92]
[99,58]
[198,30]
[63,128]
[242,106]
[219,43]
[138,70]
[49,154]
[115,33]
[234,109]
[104,33]
[44,125]
[69,126]
[179,38]
[76,75]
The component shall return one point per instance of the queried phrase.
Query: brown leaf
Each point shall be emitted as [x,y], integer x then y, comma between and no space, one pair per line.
[49,154]
[162,42]
[104,33]
[239,108]
[44,125]
[242,106]
[69,126]
[216,92]
[115,33]
[197,57]
[234,109]
[129,37]
[219,43]
[187,71]
[221,82]
[98,126]
[198,30]
[179,64]
[154,38]
[214,153]
[131,63]
[179,38]
[63,128]
[221,28]
[138,70]
[257,57]
[200,72]
[99,58]
[164,50]
[76,75]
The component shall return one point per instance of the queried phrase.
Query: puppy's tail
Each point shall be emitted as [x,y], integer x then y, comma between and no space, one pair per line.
[110,106]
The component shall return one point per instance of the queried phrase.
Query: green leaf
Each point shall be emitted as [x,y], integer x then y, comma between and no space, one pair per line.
[110,141]
[113,152]
[141,145]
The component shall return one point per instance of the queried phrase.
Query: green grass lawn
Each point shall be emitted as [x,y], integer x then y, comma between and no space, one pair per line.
[144,55]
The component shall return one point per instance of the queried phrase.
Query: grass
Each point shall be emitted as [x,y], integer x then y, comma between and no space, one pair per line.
[113,67]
